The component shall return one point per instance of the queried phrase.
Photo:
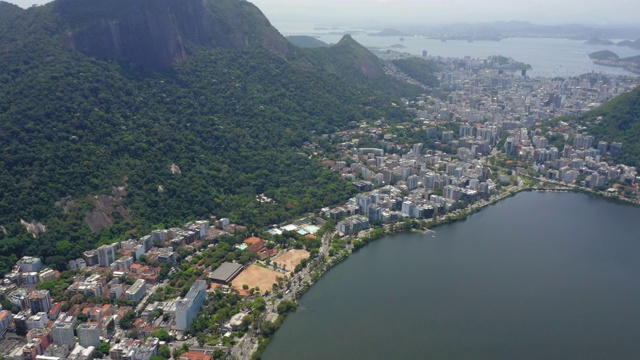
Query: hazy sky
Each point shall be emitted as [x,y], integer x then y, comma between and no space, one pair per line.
[447,11]
[359,12]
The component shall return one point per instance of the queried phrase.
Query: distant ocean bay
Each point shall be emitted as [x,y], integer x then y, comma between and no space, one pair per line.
[549,57]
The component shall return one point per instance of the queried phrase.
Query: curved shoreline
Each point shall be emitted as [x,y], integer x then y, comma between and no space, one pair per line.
[390,229]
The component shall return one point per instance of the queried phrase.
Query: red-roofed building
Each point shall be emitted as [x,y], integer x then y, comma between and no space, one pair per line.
[55,310]
[259,247]
[253,240]
[135,268]
[193,355]
[5,320]
[74,310]
[151,279]
[272,252]
[96,314]
[43,334]
[107,309]
[214,286]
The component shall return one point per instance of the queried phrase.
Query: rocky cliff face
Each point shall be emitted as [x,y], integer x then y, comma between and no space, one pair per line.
[161,33]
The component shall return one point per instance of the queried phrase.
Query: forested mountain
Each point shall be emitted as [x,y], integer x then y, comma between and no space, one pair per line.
[104,145]
[8,11]
[420,69]
[306,41]
[620,121]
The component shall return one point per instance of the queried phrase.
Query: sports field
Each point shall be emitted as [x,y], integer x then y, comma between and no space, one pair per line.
[256,276]
[290,259]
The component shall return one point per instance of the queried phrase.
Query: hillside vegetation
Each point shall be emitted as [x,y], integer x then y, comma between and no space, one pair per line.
[620,121]
[419,69]
[306,41]
[99,150]
[8,12]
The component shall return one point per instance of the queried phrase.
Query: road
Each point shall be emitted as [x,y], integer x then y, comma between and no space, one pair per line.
[249,342]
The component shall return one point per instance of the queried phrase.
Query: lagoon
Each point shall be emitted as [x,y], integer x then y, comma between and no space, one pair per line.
[536,276]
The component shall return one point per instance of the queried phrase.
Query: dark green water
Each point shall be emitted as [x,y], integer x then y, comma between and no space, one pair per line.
[537,276]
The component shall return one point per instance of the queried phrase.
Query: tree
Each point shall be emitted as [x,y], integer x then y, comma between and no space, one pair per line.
[162,335]
[268,328]
[164,351]
[82,317]
[156,313]
[102,350]
[177,352]
[259,303]
[286,306]
[246,322]
[127,320]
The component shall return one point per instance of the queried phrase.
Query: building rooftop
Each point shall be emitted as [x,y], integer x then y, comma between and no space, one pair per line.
[28,260]
[226,272]
[3,315]
[88,325]
[193,355]
[136,286]
[252,240]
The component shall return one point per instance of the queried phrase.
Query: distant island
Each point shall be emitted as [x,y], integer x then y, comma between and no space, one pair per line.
[597,41]
[604,55]
[609,58]
[632,44]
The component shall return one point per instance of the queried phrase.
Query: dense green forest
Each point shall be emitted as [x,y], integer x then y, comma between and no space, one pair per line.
[620,122]
[8,11]
[419,69]
[73,127]
[306,41]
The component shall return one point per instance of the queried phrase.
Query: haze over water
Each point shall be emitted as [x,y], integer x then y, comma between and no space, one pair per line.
[537,276]
[548,57]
